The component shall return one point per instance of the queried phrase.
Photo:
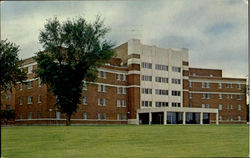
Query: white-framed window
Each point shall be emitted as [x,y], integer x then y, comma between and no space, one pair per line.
[161,92]
[21,101]
[239,86]
[239,118]
[220,118]
[124,90]
[85,101]
[124,117]
[118,90]
[232,117]
[124,77]
[104,88]
[190,95]
[99,88]
[227,106]
[231,96]
[194,74]
[146,78]
[21,116]
[104,102]
[118,116]
[220,96]
[118,103]
[232,107]
[205,96]
[118,77]
[161,79]
[39,99]
[161,67]
[30,84]
[104,116]
[104,75]
[208,85]
[220,106]
[84,86]
[220,85]
[58,115]
[239,97]
[146,65]
[39,82]
[146,103]
[146,91]
[124,103]
[99,74]
[211,75]
[176,81]
[203,84]
[190,84]
[208,106]
[29,115]
[21,86]
[176,69]
[7,96]
[39,115]
[99,116]
[228,96]
[30,69]
[30,99]
[85,116]
[239,107]
[203,105]
[99,101]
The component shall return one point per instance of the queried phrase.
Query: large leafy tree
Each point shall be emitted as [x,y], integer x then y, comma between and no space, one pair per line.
[10,72]
[73,50]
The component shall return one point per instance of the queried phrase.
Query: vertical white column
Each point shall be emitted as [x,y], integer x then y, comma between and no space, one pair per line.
[150,118]
[184,118]
[201,118]
[165,118]
[138,119]
[217,118]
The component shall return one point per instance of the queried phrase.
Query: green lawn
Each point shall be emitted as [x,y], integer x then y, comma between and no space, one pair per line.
[125,141]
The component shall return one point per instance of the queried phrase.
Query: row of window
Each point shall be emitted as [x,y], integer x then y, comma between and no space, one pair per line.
[207,85]
[30,100]
[159,104]
[30,84]
[207,96]
[103,74]
[229,107]
[160,79]
[230,118]
[160,67]
[160,92]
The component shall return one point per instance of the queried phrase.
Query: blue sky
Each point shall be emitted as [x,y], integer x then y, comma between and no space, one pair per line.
[214,31]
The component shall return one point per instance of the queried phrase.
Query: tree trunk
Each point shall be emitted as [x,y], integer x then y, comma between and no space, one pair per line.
[68,117]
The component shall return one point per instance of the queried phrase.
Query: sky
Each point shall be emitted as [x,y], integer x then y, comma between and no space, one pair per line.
[214,31]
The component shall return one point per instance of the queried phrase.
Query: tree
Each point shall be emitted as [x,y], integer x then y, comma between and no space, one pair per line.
[10,65]
[6,115]
[73,50]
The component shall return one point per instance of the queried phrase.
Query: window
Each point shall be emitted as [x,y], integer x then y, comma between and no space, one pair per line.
[39,115]
[58,115]
[104,102]
[239,107]
[211,75]
[30,100]
[146,103]
[99,74]
[29,115]
[147,65]
[21,86]
[176,93]
[124,90]
[220,118]
[220,106]
[39,82]
[118,116]
[124,77]
[29,84]
[118,103]
[161,92]
[190,84]
[220,96]
[194,74]
[7,107]
[99,88]
[146,78]
[85,116]
[7,96]
[205,85]
[85,86]
[205,96]
[176,81]
[161,104]
[208,85]
[190,96]
[99,116]
[118,77]
[228,96]
[104,116]
[21,101]
[161,79]
[232,117]
[190,105]
[146,91]
[239,97]
[232,107]
[239,118]
[229,85]
[30,69]
[124,103]
[21,116]
[99,101]
[124,117]
[161,67]
[104,89]
[176,104]
[208,106]
[227,106]
[85,102]
[239,86]
[176,69]
[220,85]
[104,75]
[203,105]
[39,99]
[118,89]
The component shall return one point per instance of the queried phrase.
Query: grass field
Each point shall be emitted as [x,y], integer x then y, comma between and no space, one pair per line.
[126,141]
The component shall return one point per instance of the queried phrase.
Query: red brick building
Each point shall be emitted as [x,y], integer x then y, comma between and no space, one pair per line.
[141,85]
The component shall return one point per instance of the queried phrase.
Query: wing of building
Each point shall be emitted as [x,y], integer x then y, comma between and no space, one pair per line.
[142,84]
